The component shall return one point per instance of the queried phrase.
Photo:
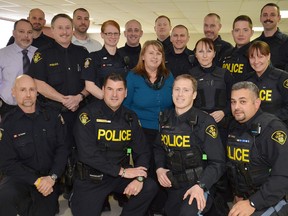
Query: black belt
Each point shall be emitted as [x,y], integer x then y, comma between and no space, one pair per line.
[86,172]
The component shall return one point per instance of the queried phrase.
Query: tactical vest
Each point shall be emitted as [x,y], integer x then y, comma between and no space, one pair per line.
[183,153]
[114,138]
[211,91]
[246,169]
[269,92]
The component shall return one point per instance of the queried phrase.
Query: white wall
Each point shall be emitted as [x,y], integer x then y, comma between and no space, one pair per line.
[6,31]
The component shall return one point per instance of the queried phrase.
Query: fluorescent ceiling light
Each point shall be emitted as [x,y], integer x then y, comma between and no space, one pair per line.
[258,29]
[284,14]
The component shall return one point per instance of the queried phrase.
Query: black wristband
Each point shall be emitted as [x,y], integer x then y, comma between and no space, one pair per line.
[82,95]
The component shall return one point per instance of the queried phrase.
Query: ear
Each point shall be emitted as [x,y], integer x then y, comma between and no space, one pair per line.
[126,92]
[13,92]
[258,103]
[194,95]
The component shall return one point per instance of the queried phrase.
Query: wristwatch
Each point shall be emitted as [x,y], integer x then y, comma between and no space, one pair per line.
[140,178]
[54,177]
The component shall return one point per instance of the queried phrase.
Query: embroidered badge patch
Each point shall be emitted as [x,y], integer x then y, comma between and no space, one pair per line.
[212,131]
[37,57]
[1,134]
[279,136]
[84,118]
[285,83]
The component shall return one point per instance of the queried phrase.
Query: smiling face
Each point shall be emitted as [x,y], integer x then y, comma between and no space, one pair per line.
[62,31]
[133,32]
[152,58]
[211,27]
[259,62]
[114,93]
[162,28]
[110,36]
[204,54]
[244,104]
[270,18]
[23,34]
[183,95]
[179,38]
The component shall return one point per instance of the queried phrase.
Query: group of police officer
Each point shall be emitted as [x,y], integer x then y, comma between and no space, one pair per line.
[112,152]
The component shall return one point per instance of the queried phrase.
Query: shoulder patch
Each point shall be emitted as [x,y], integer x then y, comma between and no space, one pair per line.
[37,57]
[87,62]
[84,118]
[212,131]
[279,137]
[285,83]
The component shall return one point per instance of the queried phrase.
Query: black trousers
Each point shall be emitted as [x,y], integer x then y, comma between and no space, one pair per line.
[88,196]
[176,206]
[18,197]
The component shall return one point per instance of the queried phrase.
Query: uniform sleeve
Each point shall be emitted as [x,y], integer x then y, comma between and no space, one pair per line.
[229,80]
[90,68]
[9,161]
[38,68]
[159,153]
[214,150]
[275,149]
[61,147]
[141,150]
[130,90]
[88,151]
[282,113]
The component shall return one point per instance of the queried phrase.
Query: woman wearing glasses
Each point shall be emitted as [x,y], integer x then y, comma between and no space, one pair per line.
[149,90]
[105,61]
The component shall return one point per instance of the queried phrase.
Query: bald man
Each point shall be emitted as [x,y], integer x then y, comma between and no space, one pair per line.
[33,154]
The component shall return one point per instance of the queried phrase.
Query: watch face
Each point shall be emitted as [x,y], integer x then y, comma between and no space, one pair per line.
[54,177]
[140,178]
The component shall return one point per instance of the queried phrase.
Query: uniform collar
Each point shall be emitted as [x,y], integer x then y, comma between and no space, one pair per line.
[19,112]
[130,49]
[108,112]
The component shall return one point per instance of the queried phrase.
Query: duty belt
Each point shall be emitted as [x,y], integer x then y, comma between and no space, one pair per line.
[86,172]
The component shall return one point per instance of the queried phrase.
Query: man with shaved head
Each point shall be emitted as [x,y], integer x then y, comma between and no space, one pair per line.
[33,154]
[37,19]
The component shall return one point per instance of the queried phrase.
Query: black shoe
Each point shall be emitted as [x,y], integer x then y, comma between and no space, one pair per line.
[121,198]
[106,207]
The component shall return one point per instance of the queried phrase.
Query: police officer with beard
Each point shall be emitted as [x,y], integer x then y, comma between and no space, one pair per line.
[107,135]
[257,156]
[190,157]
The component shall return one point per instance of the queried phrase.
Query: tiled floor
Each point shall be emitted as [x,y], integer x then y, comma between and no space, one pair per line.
[65,210]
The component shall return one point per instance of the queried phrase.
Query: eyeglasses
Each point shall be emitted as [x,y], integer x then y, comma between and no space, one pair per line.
[110,34]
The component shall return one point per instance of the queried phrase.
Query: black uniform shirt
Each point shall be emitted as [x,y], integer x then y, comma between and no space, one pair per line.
[33,145]
[38,42]
[60,67]
[132,53]
[100,63]
[205,134]
[236,60]
[273,87]
[167,44]
[220,47]
[180,63]
[97,116]
[272,147]
[275,43]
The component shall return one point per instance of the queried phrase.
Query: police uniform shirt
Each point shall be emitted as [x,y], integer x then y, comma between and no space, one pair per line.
[273,87]
[220,47]
[204,134]
[132,53]
[272,151]
[275,43]
[180,63]
[11,66]
[38,42]
[237,62]
[167,44]
[284,55]
[33,145]
[214,88]
[99,64]
[98,124]
[60,67]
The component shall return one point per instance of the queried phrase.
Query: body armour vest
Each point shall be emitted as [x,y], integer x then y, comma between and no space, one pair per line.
[114,137]
[180,143]
[211,91]
[246,168]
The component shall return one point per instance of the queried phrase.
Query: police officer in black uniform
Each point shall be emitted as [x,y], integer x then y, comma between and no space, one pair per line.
[162,28]
[33,154]
[131,51]
[236,59]
[56,69]
[272,82]
[107,135]
[270,17]
[180,59]
[105,61]
[190,156]
[257,156]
